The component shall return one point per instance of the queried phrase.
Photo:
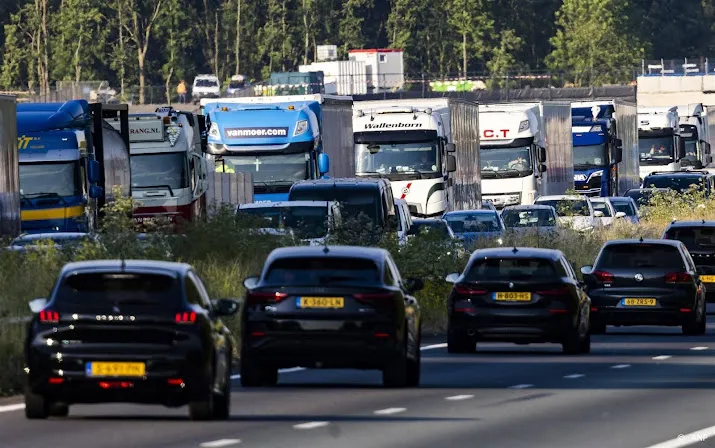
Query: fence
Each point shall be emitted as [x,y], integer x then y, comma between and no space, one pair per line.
[677,67]
[229,188]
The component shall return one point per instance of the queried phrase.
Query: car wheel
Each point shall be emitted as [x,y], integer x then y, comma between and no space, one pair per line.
[414,366]
[59,410]
[585,344]
[222,402]
[36,406]
[395,373]
[204,408]
[576,340]
[460,345]
[698,325]
[270,376]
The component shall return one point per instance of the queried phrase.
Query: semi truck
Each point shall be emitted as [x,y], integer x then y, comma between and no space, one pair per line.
[660,146]
[605,147]
[279,139]
[168,169]
[525,151]
[693,121]
[9,169]
[71,160]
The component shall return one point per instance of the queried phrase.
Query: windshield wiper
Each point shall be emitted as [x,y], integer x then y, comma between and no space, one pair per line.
[147,187]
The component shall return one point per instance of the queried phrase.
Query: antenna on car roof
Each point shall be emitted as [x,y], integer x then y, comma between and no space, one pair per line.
[515,250]
[325,249]
[641,240]
[124,265]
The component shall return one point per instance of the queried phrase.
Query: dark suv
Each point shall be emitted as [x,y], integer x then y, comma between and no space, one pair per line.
[699,238]
[680,181]
[645,282]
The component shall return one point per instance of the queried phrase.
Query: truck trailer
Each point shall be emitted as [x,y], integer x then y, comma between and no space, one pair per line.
[279,139]
[9,169]
[411,142]
[525,151]
[693,121]
[660,146]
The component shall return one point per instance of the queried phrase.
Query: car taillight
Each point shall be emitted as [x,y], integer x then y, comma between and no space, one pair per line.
[468,290]
[257,298]
[49,317]
[564,290]
[603,277]
[678,277]
[187,317]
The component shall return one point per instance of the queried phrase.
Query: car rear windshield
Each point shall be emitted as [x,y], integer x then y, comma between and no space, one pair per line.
[537,217]
[308,222]
[568,207]
[508,269]
[678,183]
[467,222]
[695,238]
[601,207]
[134,290]
[322,271]
[352,200]
[639,256]
[625,207]
[423,228]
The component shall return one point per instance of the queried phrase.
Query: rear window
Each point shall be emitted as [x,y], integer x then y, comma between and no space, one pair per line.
[678,183]
[602,207]
[702,239]
[473,222]
[423,228]
[352,200]
[538,217]
[568,207]
[118,289]
[322,271]
[625,207]
[309,222]
[637,256]
[507,269]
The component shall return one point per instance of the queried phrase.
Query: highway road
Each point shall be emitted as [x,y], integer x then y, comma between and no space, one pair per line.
[639,388]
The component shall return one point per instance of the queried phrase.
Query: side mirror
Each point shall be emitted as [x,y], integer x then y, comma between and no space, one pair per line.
[681,148]
[413,285]
[618,151]
[225,307]
[323,163]
[706,149]
[542,154]
[598,214]
[620,214]
[96,191]
[452,278]
[450,147]
[93,171]
[250,282]
[542,168]
[586,270]
[37,305]
[451,164]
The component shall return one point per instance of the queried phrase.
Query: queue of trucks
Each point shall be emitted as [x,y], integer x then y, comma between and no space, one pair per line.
[63,161]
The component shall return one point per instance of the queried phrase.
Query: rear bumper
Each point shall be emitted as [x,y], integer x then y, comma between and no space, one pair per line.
[671,310]
[512,325]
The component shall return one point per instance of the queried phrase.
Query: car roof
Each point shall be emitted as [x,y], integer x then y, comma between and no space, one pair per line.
[683,224]
[569,197]
[53,235]
[371,253]
[427,221]
[286,204]
[472,212]
[679,173]
[347,181]
[529,207]
[624,242]
[620,198]
[517,252]
[133,266]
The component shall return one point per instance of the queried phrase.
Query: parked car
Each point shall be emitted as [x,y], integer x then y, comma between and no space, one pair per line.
[428,225]
[205,86]
[699,239]
[337,307]
[574,211]
[132,331]
[522,295]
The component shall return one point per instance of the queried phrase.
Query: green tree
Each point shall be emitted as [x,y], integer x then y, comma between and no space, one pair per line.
[504,58]
[351,31]
[469,19]
[175,31]
[594,42]
[140,27]
[78,40]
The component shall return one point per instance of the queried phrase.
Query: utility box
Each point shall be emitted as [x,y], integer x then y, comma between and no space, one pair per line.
[325,53]
[385,68]
[344,78]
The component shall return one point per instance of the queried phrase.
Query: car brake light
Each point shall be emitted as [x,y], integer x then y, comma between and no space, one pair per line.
[678,277]
[467,290]
[187,317]
[554,292]
[49,317]
[603,277]
[257,298]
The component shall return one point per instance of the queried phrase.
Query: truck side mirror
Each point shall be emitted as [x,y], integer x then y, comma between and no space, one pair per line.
[450,147]
[706,148]
[542,154]
[681,148]
[93,171]
[95,191]
[323,163]
[617,150]
[451,164]
[542,168]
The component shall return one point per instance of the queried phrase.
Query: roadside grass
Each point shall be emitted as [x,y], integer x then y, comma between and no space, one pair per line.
[224,251]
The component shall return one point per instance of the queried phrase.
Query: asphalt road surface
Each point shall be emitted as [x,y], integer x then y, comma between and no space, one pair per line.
[640,387]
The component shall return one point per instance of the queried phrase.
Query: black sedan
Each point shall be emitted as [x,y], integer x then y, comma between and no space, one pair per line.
[646,282]
[129,331]
[521,295]
[330,307]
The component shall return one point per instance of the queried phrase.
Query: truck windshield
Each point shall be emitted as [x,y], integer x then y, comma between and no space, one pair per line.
[308,222]
[691,149]
[590,156]
[53,177]
[397,158]
[505,162]
[655,150]
[271,169]
[165,169]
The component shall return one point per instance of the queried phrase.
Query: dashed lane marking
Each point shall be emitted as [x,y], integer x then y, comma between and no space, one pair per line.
[574,376]
[699,348]
[459,397]
[12,407]
[390,411]
[310,425]
[621,366]
[521,386]
[220,443]
[684,440]
[661,357]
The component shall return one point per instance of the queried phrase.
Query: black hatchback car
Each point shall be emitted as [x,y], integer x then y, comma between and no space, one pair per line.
[699,238]
[332,307]
[133,331]
[522,295]
[645,282]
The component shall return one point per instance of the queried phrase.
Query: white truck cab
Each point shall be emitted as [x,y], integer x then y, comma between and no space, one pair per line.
[694,130]
[660,146]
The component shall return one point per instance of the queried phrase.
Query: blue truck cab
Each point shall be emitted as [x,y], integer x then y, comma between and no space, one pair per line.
[279,143]
[58,175]
[596,151]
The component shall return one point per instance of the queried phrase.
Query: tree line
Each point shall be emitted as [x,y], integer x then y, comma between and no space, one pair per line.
[151,42]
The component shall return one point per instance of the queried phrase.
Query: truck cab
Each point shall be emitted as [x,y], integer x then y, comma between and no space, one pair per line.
[660,145]
[693,129]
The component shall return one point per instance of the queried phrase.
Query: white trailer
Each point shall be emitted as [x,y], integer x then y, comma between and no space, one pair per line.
[694,130]
[660,146]
[525,151]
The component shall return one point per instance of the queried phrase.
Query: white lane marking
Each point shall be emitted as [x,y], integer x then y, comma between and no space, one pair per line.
[219,443]
[661,357]
[12,407]
[699,348]
[521,386]
[390,411]
[459,397]
[687,439]
[310,425]
[574,376]
[433,346]
[621,366]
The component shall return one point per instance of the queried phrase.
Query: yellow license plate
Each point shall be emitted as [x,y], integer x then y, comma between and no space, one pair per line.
[117,369]
[513,296]
[708,278]
[322,302]
[639,302]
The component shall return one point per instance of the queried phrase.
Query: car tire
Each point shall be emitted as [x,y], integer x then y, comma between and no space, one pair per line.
[204,408]
[414,366]
[575,342]
[59,410]
[36,406]
[270,376]
[460,345]
[585,344]
[251,374]
[222,401]
[394,374]
[698,325]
